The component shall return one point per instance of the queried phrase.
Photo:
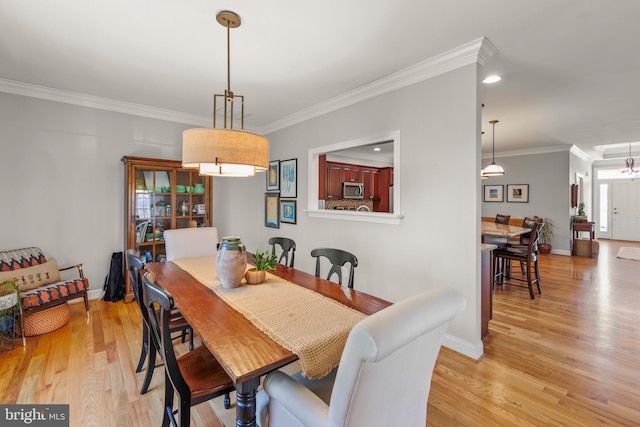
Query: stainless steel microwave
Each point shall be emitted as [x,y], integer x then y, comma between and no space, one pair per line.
[352,190]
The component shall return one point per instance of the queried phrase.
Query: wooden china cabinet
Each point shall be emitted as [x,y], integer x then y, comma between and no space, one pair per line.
[160,195]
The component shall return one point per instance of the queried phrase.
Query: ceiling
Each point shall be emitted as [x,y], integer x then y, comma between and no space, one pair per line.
[570,68]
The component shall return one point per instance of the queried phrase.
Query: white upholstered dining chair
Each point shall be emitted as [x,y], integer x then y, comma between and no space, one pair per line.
[384,376]
[190,242]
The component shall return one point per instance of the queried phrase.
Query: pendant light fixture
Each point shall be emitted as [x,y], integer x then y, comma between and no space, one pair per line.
[629,165]
[225,151]
[493,169]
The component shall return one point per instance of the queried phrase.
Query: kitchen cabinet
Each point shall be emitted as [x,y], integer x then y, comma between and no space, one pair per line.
[371,183]
[334,181]
[375,181]
[351,173]
[160,195]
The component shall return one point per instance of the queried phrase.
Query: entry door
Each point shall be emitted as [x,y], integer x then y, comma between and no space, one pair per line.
[625,201]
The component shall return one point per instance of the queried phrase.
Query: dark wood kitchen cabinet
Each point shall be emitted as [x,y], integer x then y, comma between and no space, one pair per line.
[333,185]
[351,173]
[371,183]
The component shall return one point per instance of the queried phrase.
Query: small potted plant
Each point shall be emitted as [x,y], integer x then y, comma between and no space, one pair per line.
[546,234]
[264,262]
[581,215]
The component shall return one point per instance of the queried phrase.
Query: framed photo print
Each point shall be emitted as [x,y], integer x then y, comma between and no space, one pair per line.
[289,178]
[518,193]
[493,193]
[288,211]
[273,176]
[271,210]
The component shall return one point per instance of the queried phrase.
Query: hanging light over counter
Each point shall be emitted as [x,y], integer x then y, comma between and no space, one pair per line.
[493,169]
[629,165]
[225,151]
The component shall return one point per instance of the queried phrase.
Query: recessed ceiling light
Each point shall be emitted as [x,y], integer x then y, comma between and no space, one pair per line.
[377,149]
[492,79]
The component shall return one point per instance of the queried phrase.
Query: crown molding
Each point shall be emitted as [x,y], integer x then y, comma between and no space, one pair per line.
[581,154]
[83,100]
[528,151]
[476,51]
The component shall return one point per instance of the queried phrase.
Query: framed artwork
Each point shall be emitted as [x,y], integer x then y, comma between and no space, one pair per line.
[288,211]
[494,193]
[271,205]
[289,178]
[518,193]
[273,176]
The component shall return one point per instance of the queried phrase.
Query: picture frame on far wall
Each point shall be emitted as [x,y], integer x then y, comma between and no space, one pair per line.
[518,193]
[494,193]
[273,176]
[288,211]
[271,210]
[289,178]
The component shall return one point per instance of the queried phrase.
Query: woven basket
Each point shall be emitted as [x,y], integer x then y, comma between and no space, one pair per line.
[47,320]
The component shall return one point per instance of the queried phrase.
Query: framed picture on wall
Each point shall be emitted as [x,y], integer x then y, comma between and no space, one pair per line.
[271,210]
[288,211]
[289,178]
[273,176]
[518,193]
[494,193]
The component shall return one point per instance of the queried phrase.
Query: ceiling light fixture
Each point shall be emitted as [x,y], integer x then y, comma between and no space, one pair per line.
[493,169]
[492,79]
[628,164]
[225,151]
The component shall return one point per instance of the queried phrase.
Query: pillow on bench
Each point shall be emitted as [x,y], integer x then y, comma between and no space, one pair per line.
[35,276]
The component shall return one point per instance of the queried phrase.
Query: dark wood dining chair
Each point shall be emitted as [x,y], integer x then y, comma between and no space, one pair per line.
[196,376]
[522,241]
[528,256]
[287,248]
[502,219]
[338,258]
[177,323]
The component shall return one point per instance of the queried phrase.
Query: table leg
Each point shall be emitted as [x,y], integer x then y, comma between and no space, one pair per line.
[246,403]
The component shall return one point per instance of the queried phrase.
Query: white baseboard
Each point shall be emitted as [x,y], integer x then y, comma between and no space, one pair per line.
[464,347]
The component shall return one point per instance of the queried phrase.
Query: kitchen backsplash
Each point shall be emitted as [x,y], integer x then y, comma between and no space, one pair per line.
[348,204]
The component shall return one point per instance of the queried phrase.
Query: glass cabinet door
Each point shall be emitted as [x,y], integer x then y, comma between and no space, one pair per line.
[191,207]
[153,211]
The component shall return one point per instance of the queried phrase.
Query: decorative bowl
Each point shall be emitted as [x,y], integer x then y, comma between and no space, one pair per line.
[180,188]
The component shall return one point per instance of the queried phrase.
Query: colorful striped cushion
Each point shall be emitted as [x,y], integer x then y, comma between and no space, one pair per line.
[54,292]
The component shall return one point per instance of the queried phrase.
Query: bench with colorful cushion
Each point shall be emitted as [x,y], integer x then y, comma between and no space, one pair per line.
[39,281]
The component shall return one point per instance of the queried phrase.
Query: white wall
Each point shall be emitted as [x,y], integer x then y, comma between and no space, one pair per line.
[549,192]
[63,181]
[437,243]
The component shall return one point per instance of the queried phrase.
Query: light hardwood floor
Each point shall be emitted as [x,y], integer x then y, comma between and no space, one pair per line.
[571,357]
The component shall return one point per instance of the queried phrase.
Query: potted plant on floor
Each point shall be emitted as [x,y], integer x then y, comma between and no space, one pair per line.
[546,234]
[8,310]
[264,262]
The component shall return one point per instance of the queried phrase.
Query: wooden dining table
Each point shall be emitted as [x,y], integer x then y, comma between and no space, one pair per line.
[244,351]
